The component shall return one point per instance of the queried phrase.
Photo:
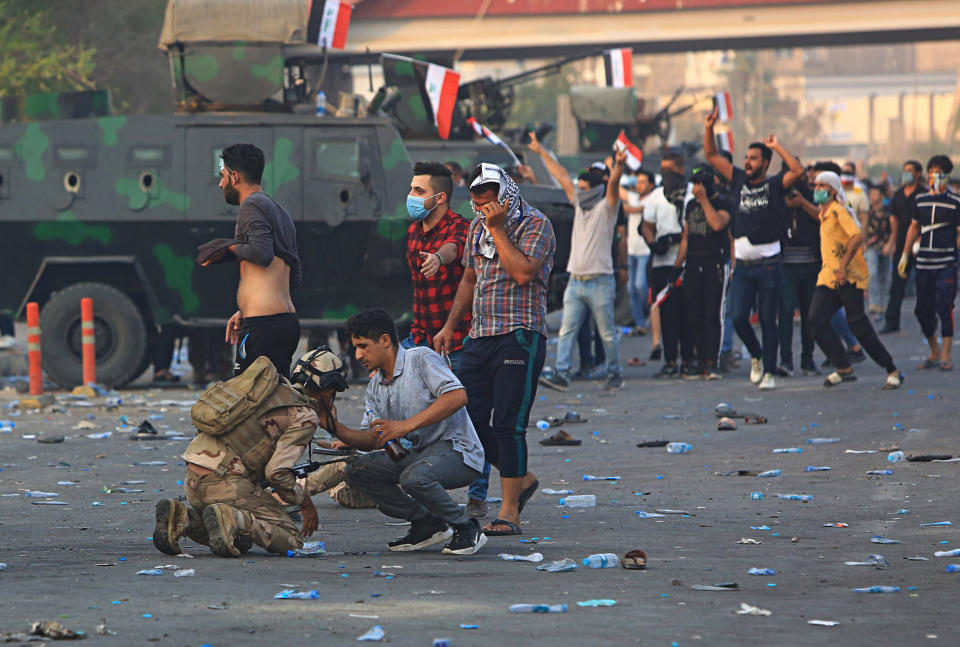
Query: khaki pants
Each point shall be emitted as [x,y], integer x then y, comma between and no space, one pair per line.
[331,477]
[268,525]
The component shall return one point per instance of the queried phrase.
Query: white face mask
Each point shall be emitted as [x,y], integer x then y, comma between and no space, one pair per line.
[938,182]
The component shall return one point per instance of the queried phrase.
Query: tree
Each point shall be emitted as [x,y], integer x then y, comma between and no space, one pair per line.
[34,57]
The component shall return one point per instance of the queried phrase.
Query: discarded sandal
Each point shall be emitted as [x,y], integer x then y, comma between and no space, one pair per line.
[560,438]
[514,529]
[636,361]
[635,560]
[836,378]
[654,443]
[726,424]
[754,420]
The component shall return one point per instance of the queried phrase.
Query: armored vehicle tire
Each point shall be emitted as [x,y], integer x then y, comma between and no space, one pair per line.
[121,335]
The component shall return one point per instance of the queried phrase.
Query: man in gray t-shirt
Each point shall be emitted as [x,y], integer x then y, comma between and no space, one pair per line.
[592,287]
[415,414]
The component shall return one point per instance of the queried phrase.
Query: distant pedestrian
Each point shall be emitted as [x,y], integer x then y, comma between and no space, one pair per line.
[903,207]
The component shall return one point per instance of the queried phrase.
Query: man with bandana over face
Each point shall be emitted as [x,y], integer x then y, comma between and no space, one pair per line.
[592,288]
[507,262]
[757,227]
[265,245]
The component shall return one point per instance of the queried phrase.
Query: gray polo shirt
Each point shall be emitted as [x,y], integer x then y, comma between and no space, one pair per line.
[420,376]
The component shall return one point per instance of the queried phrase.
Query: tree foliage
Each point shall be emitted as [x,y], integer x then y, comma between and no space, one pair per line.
[34,56]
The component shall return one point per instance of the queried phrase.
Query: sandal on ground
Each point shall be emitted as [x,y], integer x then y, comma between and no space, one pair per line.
[754,420]
[893,382]
[636,361]
[836,378]
[654,443]
[514,529]
[635,560]
[525,495]
[946,366]
[560,438]
[928,364]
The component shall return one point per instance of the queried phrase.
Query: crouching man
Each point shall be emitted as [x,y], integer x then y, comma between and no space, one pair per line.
[415,412]
[252,427]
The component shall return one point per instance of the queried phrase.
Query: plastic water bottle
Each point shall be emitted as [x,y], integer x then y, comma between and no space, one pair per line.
[878,589]
[947,553]
[543,425]
[761,571]
[321,103]
[886,472]
[678,448]
[896,457]
[601,560]
[293,594]
[789,450]
[756,496]
[770,473]
[310,549]
[538,608]
[579,501]
[953,568]
[6,426]
[822,441]
[795,497]
[816,468]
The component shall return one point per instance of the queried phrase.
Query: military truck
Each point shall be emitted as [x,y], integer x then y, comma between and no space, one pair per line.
[113,207]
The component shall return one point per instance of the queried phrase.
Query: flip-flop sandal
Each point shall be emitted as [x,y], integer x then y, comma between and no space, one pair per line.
[654,443]
[892,383]
[526,494]
[635,560]
[560,438]
[490,532]
[928,364]
[636,361]
[946,366]
[754,420]
[726,424]
[836,378]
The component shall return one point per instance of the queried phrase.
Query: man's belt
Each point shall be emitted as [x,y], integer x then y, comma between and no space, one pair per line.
[587,277]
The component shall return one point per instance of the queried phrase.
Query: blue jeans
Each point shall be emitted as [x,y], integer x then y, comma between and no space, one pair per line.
[453,356]
[638,289]
[878,287]
[799,281]
[726,339]
[581,298]
[841,329]
[750,282]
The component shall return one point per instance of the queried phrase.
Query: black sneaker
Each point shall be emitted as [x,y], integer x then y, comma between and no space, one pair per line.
[785,370]
[555,381]
[656,353]
[690,372]
[467,540]
[857,356]
[421,535]
[613,382]
[809,367]
[667,370]
[726,361]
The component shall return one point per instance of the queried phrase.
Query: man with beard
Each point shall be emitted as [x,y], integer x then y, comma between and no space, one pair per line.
[265,245]
[757,227]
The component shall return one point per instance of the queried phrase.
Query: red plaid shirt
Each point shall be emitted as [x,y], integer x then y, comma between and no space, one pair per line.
[433,297]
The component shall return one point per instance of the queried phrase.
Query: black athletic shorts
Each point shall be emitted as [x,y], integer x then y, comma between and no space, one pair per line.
[275,336]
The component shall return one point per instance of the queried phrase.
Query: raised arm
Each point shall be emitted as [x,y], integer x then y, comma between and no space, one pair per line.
[613,184]
[553,166]
[795,171]
[710,151]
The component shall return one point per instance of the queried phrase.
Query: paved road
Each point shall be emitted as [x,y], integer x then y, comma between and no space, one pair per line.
[77,563]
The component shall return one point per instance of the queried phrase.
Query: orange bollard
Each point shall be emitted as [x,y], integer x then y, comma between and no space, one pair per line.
[88,342]
[33,348]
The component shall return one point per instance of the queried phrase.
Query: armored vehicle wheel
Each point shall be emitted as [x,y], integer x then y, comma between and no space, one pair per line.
[121,336]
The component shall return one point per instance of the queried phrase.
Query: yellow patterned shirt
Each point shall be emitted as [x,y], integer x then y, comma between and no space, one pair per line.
[837,227]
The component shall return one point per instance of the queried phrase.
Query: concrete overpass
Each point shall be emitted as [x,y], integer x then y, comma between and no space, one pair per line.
[509,29]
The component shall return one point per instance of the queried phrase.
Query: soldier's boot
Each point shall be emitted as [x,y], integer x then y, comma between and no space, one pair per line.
[228,529]
[175,519]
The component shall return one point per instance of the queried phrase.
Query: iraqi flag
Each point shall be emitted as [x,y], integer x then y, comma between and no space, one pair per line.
[619,67]
[442,85]
[725,141]
[334,20]
[724,106]
[491,137]
[634,154]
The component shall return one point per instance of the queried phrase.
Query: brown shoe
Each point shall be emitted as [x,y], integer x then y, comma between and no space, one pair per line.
[224,524]
[174,519]
[476,509]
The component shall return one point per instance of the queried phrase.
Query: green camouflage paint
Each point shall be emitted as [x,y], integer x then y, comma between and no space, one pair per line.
[239,50]
[110,126]
[30,149]
[159,196]
[280,170]
[69,229]
[394,226]
[42,105]
[202,67]
[272,71]
[397,154]
[177,271]
[344,312]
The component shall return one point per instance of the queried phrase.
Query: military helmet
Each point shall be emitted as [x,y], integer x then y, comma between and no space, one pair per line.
[321,367]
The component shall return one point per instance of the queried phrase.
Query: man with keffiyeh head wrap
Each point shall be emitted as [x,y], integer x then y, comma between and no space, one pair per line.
[507,262]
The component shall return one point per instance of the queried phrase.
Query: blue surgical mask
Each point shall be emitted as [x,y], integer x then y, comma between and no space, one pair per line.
[907,177]
[630,181]
[820,196]
[416,209]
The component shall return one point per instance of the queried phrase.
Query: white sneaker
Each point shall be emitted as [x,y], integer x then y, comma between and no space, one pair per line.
[7,342]
[768,382]
[756,371]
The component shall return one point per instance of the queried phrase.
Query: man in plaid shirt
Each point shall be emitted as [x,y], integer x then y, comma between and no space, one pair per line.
[509,255]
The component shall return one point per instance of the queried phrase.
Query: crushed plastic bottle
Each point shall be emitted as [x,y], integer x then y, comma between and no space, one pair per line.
[150,571]
[597,603]
[756,496]
[761,571]
[560,566]
[815,468]
[678,448]
[579,501]
[591,477]
[822,441]
[937,523]
[186,572]
[310,549]
[441,642]
[532,557]
[789,450]
[886,472]
[36,494]
[770,473]
[795,497]
[552,491]
[543,425]
[947,553]
[649,515]
[375,634]
[293,594]
[6,426]
[953,568]
[878,589]
[896,457]
[601,560]
[538,608]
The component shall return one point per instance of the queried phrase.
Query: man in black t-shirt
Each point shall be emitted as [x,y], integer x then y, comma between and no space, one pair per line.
[901,216]
[756,227]
[705,247]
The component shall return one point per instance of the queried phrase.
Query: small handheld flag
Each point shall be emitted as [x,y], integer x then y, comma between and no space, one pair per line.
[442,85]
[491,137]
[725,141]
[724,106]
[618,64]
[634,154]
[334,24]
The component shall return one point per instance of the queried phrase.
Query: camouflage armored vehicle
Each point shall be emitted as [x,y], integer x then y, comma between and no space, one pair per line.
[114,207]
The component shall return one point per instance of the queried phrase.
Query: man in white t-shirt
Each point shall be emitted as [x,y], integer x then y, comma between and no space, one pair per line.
[635,195]
[592,288]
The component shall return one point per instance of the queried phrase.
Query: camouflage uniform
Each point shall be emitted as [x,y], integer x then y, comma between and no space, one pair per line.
[331,477]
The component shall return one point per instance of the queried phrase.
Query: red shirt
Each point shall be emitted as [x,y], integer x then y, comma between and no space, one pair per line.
[433,296]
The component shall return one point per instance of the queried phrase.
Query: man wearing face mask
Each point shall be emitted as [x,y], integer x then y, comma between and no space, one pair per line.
[901,216]
[936,224]
[757,227]
[592,288]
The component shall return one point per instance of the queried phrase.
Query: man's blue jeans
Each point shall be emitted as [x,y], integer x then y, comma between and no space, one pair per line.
[751,283]
[638,289]
[581,298]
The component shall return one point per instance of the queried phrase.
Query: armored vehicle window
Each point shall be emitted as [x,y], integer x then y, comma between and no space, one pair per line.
[337,158]
[73,156]
[151,156]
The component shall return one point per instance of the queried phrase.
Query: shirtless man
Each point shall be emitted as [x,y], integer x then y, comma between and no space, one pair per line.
[265,245]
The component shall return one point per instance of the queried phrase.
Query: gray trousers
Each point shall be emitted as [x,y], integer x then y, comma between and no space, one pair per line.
[417,486]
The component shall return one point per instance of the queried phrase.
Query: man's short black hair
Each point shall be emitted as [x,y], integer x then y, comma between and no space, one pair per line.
[915,165]
[480,189]
[245,159]
[852,166]
[592,177]
[827,165]
[765,151]
[454,167]
[942,162]
[673,156]
[441,179]
[651,178]
[372,324]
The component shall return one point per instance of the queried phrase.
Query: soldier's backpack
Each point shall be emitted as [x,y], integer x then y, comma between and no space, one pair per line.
[226,404]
